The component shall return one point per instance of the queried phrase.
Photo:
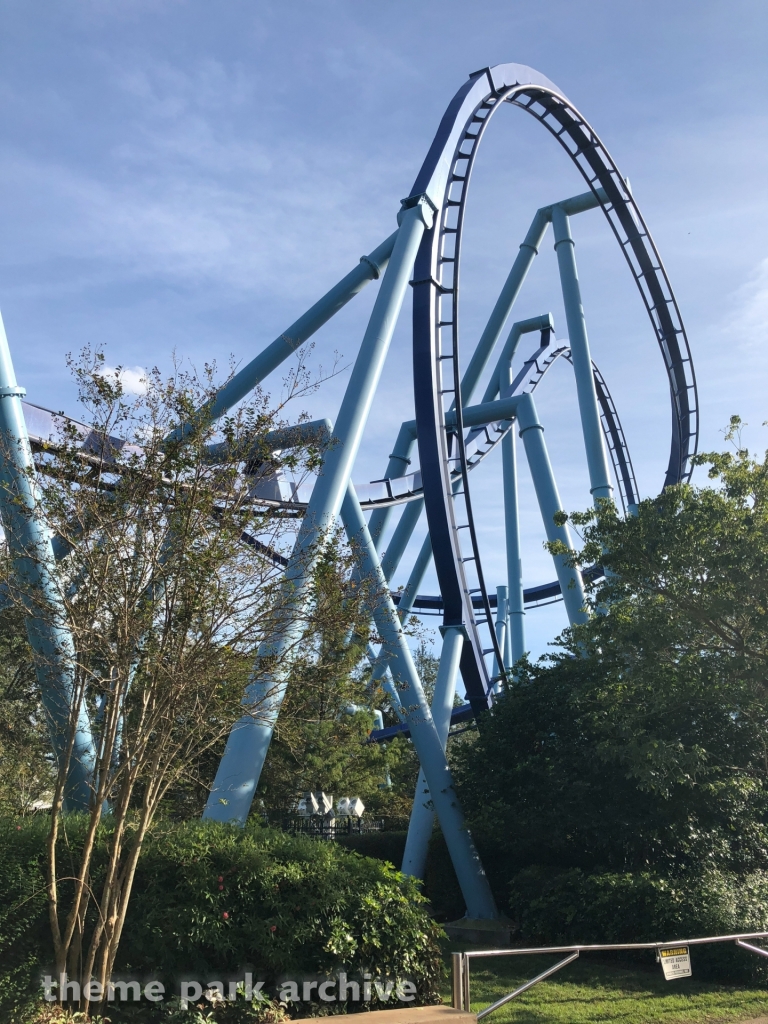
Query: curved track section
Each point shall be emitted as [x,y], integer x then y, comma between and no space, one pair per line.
[49,430]
[481,441]
[443,181]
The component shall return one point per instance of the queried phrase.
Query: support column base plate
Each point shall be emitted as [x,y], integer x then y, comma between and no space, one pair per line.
[481,932]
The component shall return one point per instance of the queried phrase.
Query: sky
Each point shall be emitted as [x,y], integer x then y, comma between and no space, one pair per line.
[181,179]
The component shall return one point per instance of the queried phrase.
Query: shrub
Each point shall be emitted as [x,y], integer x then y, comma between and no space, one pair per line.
[573,907]
[441,887]
[294,907]
[388,846]
[24,931]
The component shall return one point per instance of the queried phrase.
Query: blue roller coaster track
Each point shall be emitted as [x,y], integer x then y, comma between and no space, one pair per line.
[450,432]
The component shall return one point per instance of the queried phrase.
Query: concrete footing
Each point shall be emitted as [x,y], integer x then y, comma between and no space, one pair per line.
[480,932]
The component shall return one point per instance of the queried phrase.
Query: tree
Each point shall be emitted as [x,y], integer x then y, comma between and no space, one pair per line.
[170,583]
[641,743]
[26,769]
[320,741]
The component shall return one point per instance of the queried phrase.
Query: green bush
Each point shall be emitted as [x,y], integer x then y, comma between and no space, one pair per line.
[24,932]
[294,905]
[573,907]
[210,900]
[388,846]
[441,887]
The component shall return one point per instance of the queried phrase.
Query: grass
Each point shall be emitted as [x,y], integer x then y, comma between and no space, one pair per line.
[594,992]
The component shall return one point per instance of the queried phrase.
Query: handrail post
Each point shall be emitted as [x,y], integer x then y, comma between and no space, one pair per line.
[457,1000]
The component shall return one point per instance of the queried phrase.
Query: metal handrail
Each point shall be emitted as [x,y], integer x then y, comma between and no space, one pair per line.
[460,962]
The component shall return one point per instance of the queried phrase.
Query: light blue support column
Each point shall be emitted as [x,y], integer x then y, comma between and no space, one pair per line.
[597,458]
[514,559]
[418,572]
[299,434]
[369,269]
[501,377]
[400,537]
[469,871]
[240,767]
[548,498]
[405,605]
[387,685]
[29,543]
[529,249]
[508,644]
[398,464]
[502,617]
[399,460]
[512,530]
[423,811]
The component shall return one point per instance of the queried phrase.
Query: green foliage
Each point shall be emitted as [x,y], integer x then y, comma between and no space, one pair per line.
[552,777]
[294,907]
[319,745]
[441,887]
[426,665]
[630,767]
[24,931]
[257,1011]
[575,907]
[26,773]
[388,846]
[320,740]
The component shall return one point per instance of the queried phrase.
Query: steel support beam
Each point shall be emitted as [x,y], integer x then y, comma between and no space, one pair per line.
[30,545]
[597,457]
[423,810]
[405,605]
[532,433]
[369,269]
[240,768]
[501,377]
[424,731]
[399,460]
[502,618]
[398,464]
[516,632]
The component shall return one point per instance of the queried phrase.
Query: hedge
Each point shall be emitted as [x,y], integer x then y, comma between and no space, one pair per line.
[574,908]
[211,900]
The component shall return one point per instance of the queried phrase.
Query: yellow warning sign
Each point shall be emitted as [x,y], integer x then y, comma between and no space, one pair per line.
[675,962]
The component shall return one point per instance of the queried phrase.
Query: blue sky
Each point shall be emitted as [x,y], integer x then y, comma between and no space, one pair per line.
[188,176]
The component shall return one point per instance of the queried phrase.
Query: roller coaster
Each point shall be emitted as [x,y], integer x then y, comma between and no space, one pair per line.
[450,433]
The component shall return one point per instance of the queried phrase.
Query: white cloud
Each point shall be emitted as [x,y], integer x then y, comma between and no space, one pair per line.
[133,378]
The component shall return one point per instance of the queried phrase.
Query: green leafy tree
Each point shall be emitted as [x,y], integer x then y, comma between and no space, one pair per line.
[171,583]
[641,743]
[321,738]
[26,767]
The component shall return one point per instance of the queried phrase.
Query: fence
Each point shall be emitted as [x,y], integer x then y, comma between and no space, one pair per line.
[321,828]
[461,997]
